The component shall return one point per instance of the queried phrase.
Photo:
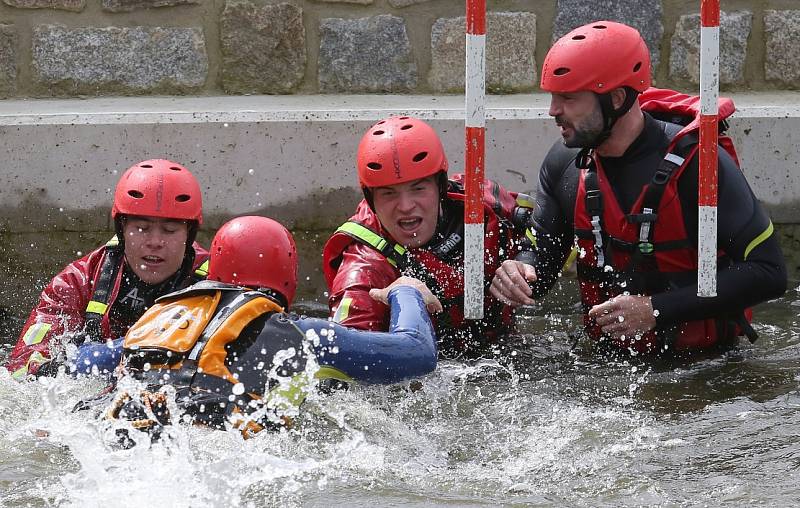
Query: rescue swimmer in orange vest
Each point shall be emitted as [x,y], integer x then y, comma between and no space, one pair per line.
[233,354]
[624,185]
[411,222]
[95,299]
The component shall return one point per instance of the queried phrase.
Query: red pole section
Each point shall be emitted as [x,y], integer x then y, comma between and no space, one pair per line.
[707,183]
[475,128]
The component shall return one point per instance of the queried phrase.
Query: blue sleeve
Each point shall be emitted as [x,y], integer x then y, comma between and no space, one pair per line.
[97,358]
[407,350]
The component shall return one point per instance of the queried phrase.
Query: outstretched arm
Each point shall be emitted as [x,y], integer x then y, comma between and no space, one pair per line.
[407,350]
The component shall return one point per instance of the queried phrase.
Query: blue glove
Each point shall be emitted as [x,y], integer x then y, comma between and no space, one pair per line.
[97,358]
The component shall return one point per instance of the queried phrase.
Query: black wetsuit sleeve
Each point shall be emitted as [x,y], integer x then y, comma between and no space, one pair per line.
[755,270]
[552,221]
[407,350]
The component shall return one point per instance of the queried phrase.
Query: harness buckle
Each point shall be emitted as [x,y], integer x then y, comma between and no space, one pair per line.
[646,248]
[661,177]
[594,202]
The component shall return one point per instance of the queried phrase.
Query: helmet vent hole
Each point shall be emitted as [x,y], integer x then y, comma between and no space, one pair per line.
[148,166]
[182,198]
[135,194]
[600,27]
[381,122]
[404,118]
[374,165]
[561,71]
[578,37]
[406,127]
[377,133]
[637,66]
[173,168]
[420,156]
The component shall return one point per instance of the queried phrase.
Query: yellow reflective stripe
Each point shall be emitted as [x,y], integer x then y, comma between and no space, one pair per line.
[328,372]
[36,333]
[364,234]
[759,239]
[573,254]
[36,358]
[97,307]
[531,236]
[293,395]
[343,310]
[113,242]
[371,238]
[524,200]
[202,270]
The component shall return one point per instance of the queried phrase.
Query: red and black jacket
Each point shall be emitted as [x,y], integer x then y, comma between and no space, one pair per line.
[360,256]
[78,301]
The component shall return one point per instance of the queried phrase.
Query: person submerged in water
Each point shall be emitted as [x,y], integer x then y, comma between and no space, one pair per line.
[236,357]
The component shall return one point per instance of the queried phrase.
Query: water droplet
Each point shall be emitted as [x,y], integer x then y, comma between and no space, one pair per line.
[252,172]
[238,389]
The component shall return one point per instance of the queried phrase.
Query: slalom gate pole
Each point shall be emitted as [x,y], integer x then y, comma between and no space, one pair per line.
[475,127]
[707,184]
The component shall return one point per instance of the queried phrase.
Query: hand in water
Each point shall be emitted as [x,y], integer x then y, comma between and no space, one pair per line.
[625,315]
[431,302]
[511,285]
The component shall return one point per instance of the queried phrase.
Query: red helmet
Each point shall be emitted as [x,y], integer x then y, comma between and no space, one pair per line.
[158,188]
[397,150]
[597,57]
[255,252]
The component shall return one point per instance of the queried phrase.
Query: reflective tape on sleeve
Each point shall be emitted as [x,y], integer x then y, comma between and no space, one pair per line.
[36,333]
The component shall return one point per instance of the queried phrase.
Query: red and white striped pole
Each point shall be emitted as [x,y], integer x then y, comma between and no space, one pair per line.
[475,126]
[707,184]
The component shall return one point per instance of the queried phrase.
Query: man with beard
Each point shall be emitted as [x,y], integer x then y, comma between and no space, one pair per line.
[624,185]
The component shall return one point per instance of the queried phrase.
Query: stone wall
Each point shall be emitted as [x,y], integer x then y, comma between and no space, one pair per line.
[51,48]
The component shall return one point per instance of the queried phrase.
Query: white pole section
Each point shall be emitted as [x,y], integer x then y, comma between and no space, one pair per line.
[707,184]
[475,127]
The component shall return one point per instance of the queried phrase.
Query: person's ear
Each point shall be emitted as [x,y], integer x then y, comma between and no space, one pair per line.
[618,96]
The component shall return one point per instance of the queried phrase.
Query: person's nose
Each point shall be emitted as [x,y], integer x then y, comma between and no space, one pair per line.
[555,107]
[154,239]
[405,202]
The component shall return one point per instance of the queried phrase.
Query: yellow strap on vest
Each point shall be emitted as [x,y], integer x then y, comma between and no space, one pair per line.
[525,201]
[113,242]
[97,307]
[202,270]
[371,238]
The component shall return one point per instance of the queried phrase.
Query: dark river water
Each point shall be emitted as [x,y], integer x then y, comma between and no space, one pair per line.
[557,425]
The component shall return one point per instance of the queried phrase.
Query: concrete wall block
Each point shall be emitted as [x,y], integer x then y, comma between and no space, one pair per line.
[131,5]
[263,47]
[510,53]
[366,55]
[782,62]
[118,60]
[8,60]
[684,60]
[399,4]
[644,15]
[66,5]
[359,2]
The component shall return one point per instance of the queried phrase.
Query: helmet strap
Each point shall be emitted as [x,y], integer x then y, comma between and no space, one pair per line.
[611,115]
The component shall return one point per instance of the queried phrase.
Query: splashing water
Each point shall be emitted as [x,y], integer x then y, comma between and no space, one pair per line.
[554,425]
